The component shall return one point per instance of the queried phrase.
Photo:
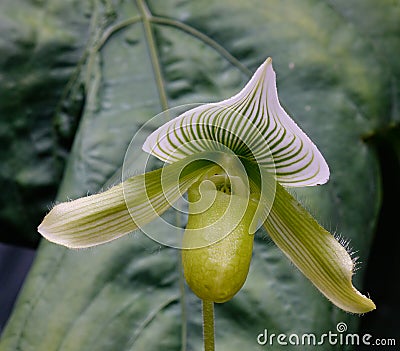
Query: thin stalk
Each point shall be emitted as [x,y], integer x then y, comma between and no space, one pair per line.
[151,43]
[208,325]
[182,290]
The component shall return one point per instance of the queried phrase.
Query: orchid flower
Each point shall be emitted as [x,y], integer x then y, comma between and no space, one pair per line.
[234,158]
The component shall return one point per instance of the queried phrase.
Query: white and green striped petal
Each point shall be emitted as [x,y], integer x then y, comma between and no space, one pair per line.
[321,258]
[253,125]
[100,218]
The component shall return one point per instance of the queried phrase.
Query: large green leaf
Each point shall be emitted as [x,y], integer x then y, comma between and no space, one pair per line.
[337,75]
[39,50]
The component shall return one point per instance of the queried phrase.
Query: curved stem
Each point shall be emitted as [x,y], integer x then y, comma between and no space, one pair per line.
[204,38]
[208,325]
[148,31]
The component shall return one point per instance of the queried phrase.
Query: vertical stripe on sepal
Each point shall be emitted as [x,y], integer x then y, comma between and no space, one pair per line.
[253,125]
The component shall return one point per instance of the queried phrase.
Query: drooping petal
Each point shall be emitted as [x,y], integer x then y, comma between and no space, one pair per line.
[317,254]
[100,218]
[252,124]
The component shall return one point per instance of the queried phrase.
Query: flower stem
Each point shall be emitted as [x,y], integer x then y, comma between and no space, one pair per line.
[208,325]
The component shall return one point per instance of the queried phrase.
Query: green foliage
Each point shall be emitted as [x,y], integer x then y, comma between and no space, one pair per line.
[40,48]
[337,75]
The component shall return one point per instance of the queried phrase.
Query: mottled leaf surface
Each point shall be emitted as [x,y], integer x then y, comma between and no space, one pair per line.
[40,102]
[338,76]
